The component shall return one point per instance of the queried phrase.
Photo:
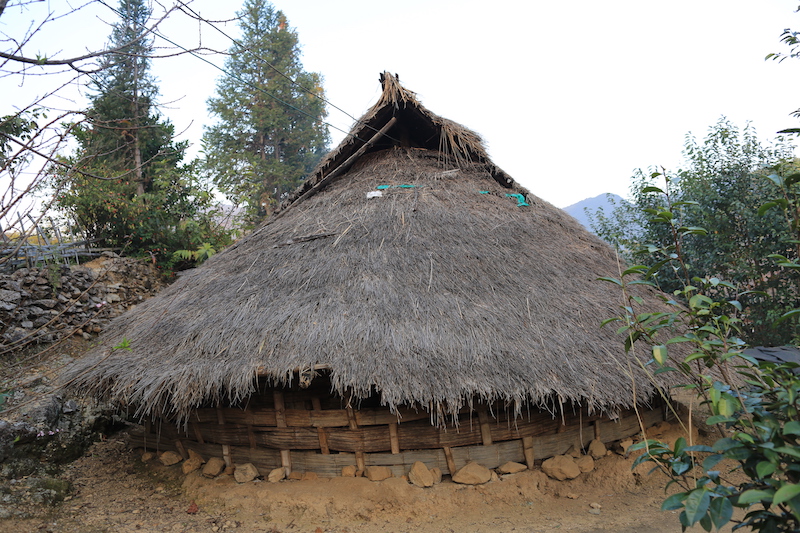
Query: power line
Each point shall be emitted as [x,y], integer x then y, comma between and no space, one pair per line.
[284,75]
[245,82]
[270,65]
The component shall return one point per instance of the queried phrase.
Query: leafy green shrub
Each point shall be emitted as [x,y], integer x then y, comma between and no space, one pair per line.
[754,406]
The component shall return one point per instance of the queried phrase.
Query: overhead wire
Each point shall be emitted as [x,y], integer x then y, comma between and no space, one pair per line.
[264,61]
[245,82]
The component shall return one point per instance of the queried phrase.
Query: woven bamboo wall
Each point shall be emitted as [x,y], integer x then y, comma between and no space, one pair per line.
[311,431]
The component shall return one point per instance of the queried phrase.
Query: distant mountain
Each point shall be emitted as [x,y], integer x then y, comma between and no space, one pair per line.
[578,210]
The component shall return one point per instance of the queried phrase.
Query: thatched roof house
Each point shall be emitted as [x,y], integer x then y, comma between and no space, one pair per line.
[408,285]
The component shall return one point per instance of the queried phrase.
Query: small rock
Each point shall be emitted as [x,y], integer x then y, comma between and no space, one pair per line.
[229,470]
[194,455]
[625,445]
[420,476]
[472,474]
[147,457]
[585,463]
[494,477]
[309,476]
[573,452]
[170,458]
[511,468]
[246,472]
[9,296]
[595,505]
[349,471]
[70,406]
[594,511]
[361,472]
[436,472]
[597,449]
[276,475]
[191,464]
[379,473]
[214,467]
[295,476]
[561,467]
[571,495]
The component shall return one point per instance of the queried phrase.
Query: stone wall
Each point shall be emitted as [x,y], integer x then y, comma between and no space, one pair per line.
[45,304]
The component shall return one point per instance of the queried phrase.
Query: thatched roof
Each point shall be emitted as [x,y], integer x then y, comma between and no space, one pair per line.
[442,289]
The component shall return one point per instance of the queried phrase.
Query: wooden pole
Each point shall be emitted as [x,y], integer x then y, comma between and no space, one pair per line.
[527,449]
[226,448]
[323,436]
[280,418]
[393,440]
[486,430]
[448,456]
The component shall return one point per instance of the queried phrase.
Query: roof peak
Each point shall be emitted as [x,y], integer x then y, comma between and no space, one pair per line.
[398,119]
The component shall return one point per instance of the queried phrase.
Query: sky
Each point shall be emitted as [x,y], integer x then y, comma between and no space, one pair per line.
[570,96]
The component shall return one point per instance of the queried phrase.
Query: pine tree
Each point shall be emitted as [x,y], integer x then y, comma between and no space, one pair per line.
[125,134]
[142,198]
[270,131]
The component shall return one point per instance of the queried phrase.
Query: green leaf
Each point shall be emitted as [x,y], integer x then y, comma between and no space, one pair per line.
[652,189]
[642,282]
[696,505]
[766,207]
[611,280]
[727,406]
[791,428]
[674,502]
[660,354]
[698,448]
[765,469]
[789,450]
[785,493]
[755,495]
[718,419]
[692,230]
[700,301]
[721,511]
[776,179]
[711,461]
[680,468]
[786,316]
[664,369]
[636,269]
[724,444]
[737,304]
[680,444]
[705,522]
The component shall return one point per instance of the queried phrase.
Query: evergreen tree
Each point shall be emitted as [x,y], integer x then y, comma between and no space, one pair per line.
[130,189]
[125,132]
[270,131]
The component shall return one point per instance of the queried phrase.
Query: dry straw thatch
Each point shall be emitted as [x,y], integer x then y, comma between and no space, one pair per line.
[441,291]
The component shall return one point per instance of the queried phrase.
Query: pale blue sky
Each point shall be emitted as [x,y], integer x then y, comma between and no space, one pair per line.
[570,96]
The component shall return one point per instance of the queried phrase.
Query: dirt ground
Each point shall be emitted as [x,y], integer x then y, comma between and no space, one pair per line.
[114,491]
